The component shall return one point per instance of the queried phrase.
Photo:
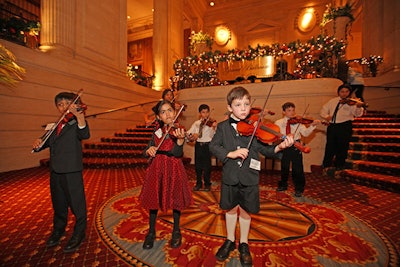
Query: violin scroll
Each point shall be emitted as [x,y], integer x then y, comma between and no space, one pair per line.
[353,101]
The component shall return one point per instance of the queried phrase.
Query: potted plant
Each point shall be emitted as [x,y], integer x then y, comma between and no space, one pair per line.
[200,42]
[10,72]
[341,17]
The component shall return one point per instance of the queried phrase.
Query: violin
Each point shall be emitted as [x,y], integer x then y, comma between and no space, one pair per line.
[64,118]
[168,130]
[301,120]
[257,110]
[265,132]
[352,101]
[171,128]
[208,122]
[80,107]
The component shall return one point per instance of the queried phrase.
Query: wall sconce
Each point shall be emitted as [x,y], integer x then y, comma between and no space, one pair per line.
[306,20]
[222,35]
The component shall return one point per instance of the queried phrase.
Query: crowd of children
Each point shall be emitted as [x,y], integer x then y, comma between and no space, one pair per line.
[166,185]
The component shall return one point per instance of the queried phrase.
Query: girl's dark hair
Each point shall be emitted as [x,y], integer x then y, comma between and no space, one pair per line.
[165,92]
[157,108]
[345,85]
[64,95]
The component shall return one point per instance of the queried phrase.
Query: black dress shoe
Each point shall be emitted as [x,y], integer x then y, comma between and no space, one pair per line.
[54,239]
[197,188]
[245,256]
[149,241]
[298,194]
[176,240]
[74,243]
[207,188]
[281,188]
[225,249]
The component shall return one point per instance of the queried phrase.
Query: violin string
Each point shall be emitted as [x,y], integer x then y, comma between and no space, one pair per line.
[304,113]
[169,128]
[204,123]
[261,115]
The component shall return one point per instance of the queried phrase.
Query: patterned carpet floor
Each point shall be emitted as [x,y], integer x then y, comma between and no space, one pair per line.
[369,215]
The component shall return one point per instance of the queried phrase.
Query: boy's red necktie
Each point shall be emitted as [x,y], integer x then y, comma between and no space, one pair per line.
[59,127]
[288,127]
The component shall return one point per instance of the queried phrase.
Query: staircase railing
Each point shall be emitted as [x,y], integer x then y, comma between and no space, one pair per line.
[119,109]
[387,88]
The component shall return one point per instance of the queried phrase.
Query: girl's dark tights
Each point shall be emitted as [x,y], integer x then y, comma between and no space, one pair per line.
[152,221]
[177,216]
[153,217]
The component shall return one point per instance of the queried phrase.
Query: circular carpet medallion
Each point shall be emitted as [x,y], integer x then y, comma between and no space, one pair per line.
[287,231]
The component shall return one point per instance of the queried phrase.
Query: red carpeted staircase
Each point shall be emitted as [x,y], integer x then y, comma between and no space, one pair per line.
[374,154]
[123,150]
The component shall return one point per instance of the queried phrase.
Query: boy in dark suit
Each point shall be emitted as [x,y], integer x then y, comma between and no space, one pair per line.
[66,165]
[240,173]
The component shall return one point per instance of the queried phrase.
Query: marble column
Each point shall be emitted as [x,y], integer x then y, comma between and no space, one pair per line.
[167,40]
[58,20]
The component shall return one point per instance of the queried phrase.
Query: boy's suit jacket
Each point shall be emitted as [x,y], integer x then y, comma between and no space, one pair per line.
[225,140]
[66,149]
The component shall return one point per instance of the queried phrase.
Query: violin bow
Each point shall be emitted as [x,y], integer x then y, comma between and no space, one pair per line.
[169,128]
[46,136]
[257,123]
[304,113]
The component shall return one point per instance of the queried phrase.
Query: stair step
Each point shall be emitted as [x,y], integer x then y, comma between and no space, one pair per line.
[115,146]
[381,115]
[126,139]
[359,125]
[376,131]
[381,181]
[141,128]
[112,153]
[132,134]
[377,119]
[376,138]
[388,157]
[374,167]
[380,147]
[103,163]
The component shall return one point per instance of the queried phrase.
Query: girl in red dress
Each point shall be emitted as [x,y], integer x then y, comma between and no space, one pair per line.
[166,185]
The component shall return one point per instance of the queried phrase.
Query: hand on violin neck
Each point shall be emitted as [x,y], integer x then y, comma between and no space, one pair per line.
[180,134]
[151,151]
[360,105]
[192,137]
[316,122]
[287,142]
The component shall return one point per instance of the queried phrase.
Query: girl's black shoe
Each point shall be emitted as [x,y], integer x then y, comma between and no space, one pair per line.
[176,240]
[149,241]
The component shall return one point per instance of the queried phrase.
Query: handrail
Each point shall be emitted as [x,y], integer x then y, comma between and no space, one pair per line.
[387,88]
[119,109]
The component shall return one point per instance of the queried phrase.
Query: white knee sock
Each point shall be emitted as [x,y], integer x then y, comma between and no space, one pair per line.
[244,229]
[231,220]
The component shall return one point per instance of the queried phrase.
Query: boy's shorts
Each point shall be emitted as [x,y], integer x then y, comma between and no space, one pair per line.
[247,197]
